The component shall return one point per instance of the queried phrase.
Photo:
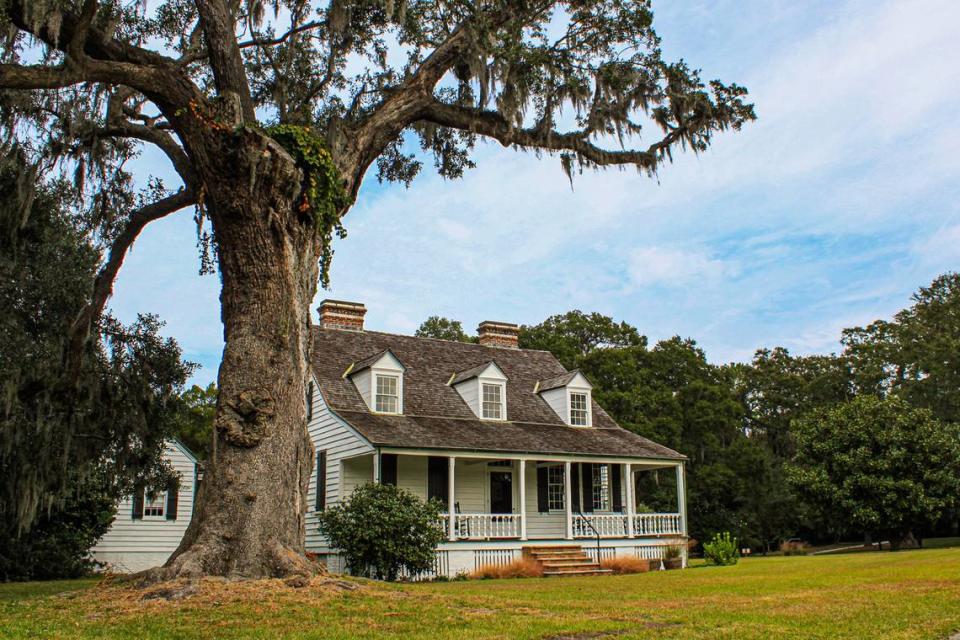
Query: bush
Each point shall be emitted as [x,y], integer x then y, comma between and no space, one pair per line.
[58,544]
[520,568]
[383,531]
[722,550]
[625,564]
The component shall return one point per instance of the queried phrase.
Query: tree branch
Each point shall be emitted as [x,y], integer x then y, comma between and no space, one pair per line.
[161,139]
[103,283]
[492,125]
[224,54]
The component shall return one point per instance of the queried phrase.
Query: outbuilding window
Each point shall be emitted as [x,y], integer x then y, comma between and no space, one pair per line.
[153,507]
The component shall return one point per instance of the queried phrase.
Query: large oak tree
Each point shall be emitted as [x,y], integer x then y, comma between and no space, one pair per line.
[86,83]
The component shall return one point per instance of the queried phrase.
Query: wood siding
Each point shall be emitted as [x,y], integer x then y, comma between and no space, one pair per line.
[134,545]
[329,433]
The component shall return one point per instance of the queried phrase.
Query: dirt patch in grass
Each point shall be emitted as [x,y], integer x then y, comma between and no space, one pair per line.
[115,597]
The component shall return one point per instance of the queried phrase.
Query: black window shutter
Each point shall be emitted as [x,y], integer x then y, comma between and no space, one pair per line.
[437,470]
[543,499]
[309,401]
[138,503]
[587,487]
[575,487]
[615,488]
[321,480]
[173,499]
[388,468]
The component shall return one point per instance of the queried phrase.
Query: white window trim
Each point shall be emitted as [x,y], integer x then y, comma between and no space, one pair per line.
[585,392]
[162,498]
[386,373]
[604,491]
[503,398]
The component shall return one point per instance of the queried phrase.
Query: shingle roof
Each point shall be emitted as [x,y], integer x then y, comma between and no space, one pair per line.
[557,381]
[435,415]
[470,373]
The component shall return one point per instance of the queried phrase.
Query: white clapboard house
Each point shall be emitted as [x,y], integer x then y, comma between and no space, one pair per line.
[149,525]
[521,456]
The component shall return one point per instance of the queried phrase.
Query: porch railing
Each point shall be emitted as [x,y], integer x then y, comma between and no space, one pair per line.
[615,525]
[485,526]
[657,524]
[605,525]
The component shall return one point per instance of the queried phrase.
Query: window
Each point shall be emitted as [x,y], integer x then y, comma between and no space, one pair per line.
[492,402]
[153,507]
[388,394]
[555,490]
[579,410]
[309,401]
[601,487]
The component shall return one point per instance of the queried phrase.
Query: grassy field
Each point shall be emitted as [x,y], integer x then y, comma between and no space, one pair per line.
[914,594]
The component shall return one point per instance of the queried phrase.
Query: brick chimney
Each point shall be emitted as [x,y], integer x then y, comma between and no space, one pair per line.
[499,334]
[337,314]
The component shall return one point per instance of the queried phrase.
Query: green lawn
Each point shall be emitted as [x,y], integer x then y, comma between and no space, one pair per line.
[912,594]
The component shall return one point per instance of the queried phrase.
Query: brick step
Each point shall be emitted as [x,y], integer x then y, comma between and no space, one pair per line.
[583,572]
[560,565]
[554,547]
[563,558]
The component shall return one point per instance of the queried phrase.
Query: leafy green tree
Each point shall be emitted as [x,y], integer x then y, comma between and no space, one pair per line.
[271,120]
[384,532]
[877,465]
[573,335]
[59,543]
[103,424]
[443,329]
[917,354]
[194,418]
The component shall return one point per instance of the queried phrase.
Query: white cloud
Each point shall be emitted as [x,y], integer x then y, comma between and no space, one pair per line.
[675,267]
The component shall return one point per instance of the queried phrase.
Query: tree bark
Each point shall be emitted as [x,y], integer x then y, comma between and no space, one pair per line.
[249,517]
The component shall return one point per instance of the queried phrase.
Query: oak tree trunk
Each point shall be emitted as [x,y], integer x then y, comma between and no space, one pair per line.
[249,515]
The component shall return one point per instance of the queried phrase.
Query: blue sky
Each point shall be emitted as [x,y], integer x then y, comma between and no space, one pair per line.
[828,212]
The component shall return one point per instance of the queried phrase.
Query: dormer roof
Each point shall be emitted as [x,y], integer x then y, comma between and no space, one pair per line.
[374,360]
[563,380]
[477,372]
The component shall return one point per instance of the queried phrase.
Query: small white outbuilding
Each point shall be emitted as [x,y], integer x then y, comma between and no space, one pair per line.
[149,526]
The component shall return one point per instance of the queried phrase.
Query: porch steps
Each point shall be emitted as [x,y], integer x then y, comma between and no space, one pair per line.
[564,560]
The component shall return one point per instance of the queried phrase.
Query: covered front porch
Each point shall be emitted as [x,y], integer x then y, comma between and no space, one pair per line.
[499,497]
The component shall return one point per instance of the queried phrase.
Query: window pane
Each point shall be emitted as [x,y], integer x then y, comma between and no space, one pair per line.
[154,507]
[555,489]
[601,487]
[578,409]
[388,399]
[492,402]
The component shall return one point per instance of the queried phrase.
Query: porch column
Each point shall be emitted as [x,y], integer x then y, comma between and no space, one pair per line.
[567,499]
[376,467]
[523,499]
[631,504]
[682,498]
[452,500]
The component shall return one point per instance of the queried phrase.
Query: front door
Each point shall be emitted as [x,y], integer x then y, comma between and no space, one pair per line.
[501,492]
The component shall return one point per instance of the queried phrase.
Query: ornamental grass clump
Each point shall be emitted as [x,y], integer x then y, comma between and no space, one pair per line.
[384,532]
[721,550]
[519,568]
[621,565]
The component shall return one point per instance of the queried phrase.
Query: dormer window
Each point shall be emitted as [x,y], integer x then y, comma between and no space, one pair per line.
[493,408]
[379,379]
[484,389]
[568,394]
[388,394]
[579,409]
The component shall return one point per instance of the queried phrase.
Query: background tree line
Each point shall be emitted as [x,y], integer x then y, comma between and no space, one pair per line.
[864,442]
